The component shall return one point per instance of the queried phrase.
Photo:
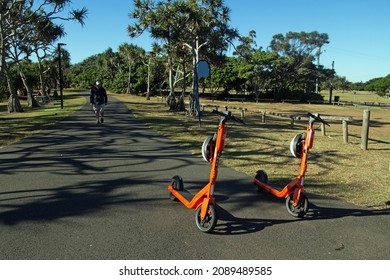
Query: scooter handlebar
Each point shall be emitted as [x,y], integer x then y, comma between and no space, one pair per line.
[317,118]
[228,116]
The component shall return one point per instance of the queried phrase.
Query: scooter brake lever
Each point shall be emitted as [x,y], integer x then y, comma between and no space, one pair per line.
[317,118]
[238,120]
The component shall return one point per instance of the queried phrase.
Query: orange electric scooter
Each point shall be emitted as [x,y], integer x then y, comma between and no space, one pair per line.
[203,201]
[297,203]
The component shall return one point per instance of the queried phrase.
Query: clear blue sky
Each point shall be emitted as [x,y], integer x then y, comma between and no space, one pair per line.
[359,30]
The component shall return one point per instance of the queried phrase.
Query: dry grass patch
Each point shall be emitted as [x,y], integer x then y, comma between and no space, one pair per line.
[334,169]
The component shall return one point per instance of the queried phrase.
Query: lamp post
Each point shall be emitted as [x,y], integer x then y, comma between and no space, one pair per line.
[60,73]
[331,84]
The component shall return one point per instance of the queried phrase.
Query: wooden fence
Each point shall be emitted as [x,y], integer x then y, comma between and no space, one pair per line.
[343,119]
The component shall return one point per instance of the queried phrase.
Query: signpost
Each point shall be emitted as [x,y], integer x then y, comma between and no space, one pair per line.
[202,70]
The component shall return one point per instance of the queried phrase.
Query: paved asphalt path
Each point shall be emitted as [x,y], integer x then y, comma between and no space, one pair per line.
[79,190]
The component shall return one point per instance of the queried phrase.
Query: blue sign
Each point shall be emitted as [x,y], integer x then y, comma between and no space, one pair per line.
[202,70]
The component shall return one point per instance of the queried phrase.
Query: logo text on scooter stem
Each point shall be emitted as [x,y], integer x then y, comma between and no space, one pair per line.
[212,189]
[217,159]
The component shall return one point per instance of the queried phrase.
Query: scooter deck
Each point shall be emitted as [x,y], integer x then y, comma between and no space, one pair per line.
[186,194]
[275,187]
[271,188]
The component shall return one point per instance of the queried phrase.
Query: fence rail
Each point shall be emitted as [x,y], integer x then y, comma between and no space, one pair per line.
[344,120]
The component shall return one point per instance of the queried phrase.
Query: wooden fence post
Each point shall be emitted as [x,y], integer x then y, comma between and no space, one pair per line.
[343,119]
[345,131]
[365,128]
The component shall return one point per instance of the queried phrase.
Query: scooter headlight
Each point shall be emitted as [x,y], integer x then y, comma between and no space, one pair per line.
[296,145]
[208,148]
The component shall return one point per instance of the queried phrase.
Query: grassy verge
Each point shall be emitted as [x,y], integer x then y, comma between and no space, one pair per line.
[16,126]
[335,169]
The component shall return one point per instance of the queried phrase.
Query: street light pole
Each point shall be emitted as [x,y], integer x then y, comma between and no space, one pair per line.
[331,84]
[60,72]
[318,65]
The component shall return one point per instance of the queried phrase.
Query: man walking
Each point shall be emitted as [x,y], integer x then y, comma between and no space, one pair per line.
[98,100]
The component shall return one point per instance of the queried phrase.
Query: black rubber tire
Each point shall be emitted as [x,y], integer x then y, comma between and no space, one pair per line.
[209,222]
[177,184]
[262,176]
[301,209]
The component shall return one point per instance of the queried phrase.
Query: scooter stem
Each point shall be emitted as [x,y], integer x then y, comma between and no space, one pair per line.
[220,142]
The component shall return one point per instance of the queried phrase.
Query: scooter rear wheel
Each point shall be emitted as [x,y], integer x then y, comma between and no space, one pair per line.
[177,184]
[300,209]
[261,176]
[209,222]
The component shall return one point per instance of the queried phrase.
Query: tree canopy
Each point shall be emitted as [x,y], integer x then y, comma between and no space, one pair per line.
[28,27]
[184,32]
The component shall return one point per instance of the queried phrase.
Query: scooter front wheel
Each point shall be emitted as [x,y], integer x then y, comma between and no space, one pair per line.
[210,220]
[300,209]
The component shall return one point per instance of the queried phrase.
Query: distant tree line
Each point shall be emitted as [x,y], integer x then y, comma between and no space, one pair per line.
[184,32]
[127,70]
[379,85]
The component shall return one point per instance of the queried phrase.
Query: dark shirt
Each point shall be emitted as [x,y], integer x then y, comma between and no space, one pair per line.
[98,96]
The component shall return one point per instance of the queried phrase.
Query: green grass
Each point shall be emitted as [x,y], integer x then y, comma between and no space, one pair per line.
[356,96]
[15,126]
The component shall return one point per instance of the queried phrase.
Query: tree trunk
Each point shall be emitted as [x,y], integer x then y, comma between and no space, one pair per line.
[184,85]
[171,97]
[14,104]
[182,106]
[41,80]
[194,81]
[31,102]
[13,100]
[129,78]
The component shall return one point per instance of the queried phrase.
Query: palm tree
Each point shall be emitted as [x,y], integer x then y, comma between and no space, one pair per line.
[176,23]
